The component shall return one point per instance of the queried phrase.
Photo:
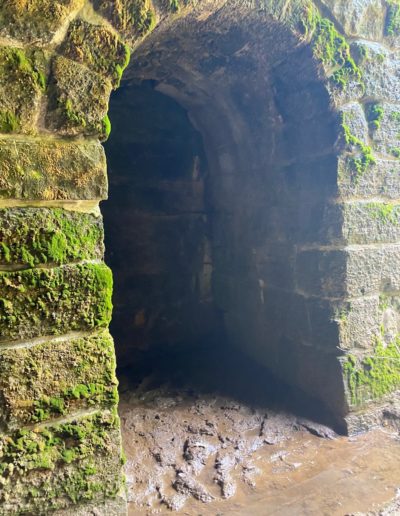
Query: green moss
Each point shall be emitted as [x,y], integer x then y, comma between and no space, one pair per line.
[375,114]
[46,448]
[395,116]
[392,25]
[37,302]
[106,128]
[98,48]
[365,159]
[9,122]
[330,48]
[372,377]
[57,378]
[384,212]
[25,64]
[33,236]
[132,17]
[73,116]
[395,151]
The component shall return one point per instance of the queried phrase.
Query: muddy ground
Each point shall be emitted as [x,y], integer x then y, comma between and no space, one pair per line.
[214,451]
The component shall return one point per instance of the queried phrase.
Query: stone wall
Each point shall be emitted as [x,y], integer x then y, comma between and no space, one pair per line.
[297,107]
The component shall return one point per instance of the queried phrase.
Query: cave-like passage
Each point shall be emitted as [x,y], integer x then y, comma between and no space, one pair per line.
[212,186]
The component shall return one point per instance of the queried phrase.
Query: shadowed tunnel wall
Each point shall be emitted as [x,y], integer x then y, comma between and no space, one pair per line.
[297,108]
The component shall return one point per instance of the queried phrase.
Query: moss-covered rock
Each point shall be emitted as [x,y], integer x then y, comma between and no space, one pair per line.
[37,302]
[78,100]
[50,468]
[133,18]
[54,378]
[36,21]
[52,169]
[98,48]
[372,377]
[22,81]
[32,236]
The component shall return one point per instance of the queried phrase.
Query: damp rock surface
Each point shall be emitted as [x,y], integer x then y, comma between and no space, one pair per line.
[209,454]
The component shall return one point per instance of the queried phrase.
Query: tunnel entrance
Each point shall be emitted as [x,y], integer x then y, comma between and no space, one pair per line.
[222,166]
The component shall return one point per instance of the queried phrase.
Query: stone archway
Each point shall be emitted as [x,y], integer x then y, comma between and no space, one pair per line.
[300,131]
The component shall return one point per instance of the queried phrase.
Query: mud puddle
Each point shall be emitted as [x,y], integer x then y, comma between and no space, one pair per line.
[211,455]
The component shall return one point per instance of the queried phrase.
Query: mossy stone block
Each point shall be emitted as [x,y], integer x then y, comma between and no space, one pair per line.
[36,169]
[78,100]
[56,378]
[33,236]
[37,302]
[36,21]
[98,48]
[371,377]
[132,18]
[22,82]
[55,467]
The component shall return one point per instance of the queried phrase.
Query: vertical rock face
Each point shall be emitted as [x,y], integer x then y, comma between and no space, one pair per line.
[301,136]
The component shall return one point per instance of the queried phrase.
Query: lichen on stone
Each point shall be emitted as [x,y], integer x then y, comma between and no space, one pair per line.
[330,48]
[33,21]
[98,48]
[372,377]
[78,99]
[56,378]
[364,158]
[52,169]
[37,302]
[32,236]
[375,113]
[53,467]
[392,25]
[22,82]
[133,18]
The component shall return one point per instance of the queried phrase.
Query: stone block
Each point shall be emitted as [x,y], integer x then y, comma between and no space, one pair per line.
[386,137]
[52,170]
[352,272]
[370,222]
[33,236]
[372,270]
[35,22]
[380,68]
[37,302]
[98,48]
[22,83]
[78,100]
[362,18]
[55,378]
[321,273]
[50,468]
[372,376]
[379,179]
[133,18]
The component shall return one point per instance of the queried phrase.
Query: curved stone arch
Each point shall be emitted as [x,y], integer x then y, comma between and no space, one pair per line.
[341,325]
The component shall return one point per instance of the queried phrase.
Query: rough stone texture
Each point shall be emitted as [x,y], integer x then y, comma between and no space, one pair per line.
[72,113]
[35,21]
[61,465]
[38,302]
[54,378]
[22,81]
[362,18]
[52,169]
[33,236]
[97,48]
[301,142]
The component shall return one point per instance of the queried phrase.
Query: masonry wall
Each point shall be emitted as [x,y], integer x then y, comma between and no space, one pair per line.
[59,61]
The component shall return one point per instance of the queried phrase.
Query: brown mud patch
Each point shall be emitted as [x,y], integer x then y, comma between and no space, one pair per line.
[211,455]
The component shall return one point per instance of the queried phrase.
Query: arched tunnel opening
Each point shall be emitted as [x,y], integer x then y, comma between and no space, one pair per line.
[221,164]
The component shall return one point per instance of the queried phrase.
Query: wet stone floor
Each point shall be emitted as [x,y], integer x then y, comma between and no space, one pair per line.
[208,454]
